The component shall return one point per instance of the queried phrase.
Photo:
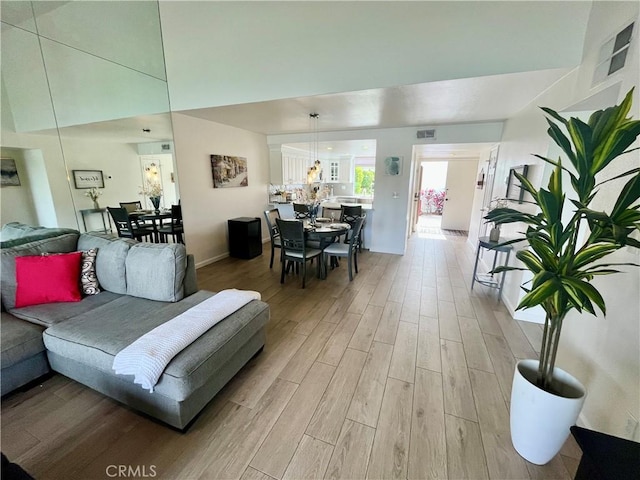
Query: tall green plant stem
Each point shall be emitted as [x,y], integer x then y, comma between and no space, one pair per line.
[549,350]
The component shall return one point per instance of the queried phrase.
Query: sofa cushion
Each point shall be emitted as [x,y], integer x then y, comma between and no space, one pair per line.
[52,313]
[110,262]
[14,234]
[13,230]
[64,243]
[20,340]
[48,279]
[156,271]
[87,339]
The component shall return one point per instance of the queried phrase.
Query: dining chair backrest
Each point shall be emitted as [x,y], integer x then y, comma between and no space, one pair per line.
[349,213]
[131,206]
[357,230]
[122,221]
[301,210]
[176,214]
[291,236]
[270,216]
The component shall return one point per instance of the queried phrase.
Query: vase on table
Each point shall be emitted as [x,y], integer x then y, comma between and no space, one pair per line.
[156,204]
[494,234]
[96,205]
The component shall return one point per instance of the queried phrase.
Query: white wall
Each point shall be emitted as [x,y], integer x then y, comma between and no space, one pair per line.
[393,193]
[206,209]
[16,202]
[603,353]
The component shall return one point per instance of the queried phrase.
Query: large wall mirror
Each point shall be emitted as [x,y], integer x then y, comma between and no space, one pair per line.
[83,89]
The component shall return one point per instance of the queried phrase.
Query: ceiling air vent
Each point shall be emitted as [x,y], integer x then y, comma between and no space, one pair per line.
[427,133]
[613,54]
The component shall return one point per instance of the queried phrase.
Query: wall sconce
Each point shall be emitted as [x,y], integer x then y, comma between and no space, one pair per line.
[151,171]
[480,181]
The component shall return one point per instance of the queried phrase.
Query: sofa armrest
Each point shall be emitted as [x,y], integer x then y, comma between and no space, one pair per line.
[190,278]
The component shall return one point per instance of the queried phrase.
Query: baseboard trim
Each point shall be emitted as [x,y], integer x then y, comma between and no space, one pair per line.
[211,260]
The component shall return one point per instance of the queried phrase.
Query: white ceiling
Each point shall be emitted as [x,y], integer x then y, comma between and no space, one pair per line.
[467,100]
[380,65]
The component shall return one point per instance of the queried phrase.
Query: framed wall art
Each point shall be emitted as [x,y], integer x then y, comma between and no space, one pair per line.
[393,166]
[515,192]
[88,178]
[9,173]
[229,171]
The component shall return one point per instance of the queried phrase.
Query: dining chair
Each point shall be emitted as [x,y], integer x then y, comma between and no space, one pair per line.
[174,228]
[131,207]
[301,210]
[294,248]
[349,214]
[271,216]
[349,250]
[125,226]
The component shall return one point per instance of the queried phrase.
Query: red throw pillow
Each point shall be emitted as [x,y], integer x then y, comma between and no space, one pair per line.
[48,279]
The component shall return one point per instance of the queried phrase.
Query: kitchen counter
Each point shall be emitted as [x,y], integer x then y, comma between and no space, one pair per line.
[331,204]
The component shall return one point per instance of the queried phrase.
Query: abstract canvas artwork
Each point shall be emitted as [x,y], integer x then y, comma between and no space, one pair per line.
[393,165]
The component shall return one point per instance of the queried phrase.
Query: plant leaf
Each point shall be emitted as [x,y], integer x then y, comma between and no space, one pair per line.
[538,295]
[588,290]
[629,194]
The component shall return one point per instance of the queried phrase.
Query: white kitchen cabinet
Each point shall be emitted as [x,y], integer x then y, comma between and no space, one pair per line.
[333,172]
[294,169]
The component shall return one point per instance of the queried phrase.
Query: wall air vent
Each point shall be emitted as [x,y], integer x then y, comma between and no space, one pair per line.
[427,133]
[613,54]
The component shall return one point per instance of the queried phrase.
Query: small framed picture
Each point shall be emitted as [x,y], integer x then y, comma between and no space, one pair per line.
[9,173]
[515,192]
[393,166]
[88,178]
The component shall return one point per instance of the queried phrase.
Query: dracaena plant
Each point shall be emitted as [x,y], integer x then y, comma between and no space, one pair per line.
[565,256]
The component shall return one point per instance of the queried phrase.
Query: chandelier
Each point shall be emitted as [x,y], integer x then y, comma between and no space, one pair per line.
[314,172]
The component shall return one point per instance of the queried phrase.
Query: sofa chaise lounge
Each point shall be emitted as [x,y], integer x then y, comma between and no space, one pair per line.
[143,285]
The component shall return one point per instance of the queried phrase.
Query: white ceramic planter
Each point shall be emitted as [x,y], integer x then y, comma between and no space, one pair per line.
[540,420]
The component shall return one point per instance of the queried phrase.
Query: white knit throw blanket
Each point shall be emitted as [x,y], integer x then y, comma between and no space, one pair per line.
[148,356]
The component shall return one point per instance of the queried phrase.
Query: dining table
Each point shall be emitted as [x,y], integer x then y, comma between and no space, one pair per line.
[155,218]
[326,232]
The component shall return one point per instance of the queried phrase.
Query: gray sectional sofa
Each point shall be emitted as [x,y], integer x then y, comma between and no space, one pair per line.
[143,285]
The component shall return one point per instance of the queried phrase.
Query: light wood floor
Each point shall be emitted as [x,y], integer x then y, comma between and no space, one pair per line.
[402,373]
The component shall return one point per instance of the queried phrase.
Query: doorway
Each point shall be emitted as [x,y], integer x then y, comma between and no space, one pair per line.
[431,195]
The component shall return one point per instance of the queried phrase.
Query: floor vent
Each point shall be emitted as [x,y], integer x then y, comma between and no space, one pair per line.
[613,54]
[427,133]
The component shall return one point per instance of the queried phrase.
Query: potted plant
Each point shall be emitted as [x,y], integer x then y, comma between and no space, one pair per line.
[152,190]
[494,233]
[565,255]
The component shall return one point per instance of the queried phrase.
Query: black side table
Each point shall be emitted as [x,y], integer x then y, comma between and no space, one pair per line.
[245,237]
[490,280]
[606,457]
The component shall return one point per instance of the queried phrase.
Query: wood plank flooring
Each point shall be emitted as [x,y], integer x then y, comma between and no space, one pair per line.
[403,373]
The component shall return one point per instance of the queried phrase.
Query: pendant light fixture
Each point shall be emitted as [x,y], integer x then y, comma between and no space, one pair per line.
[314,172]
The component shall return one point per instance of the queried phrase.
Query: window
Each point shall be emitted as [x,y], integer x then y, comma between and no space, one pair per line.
[364,180]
